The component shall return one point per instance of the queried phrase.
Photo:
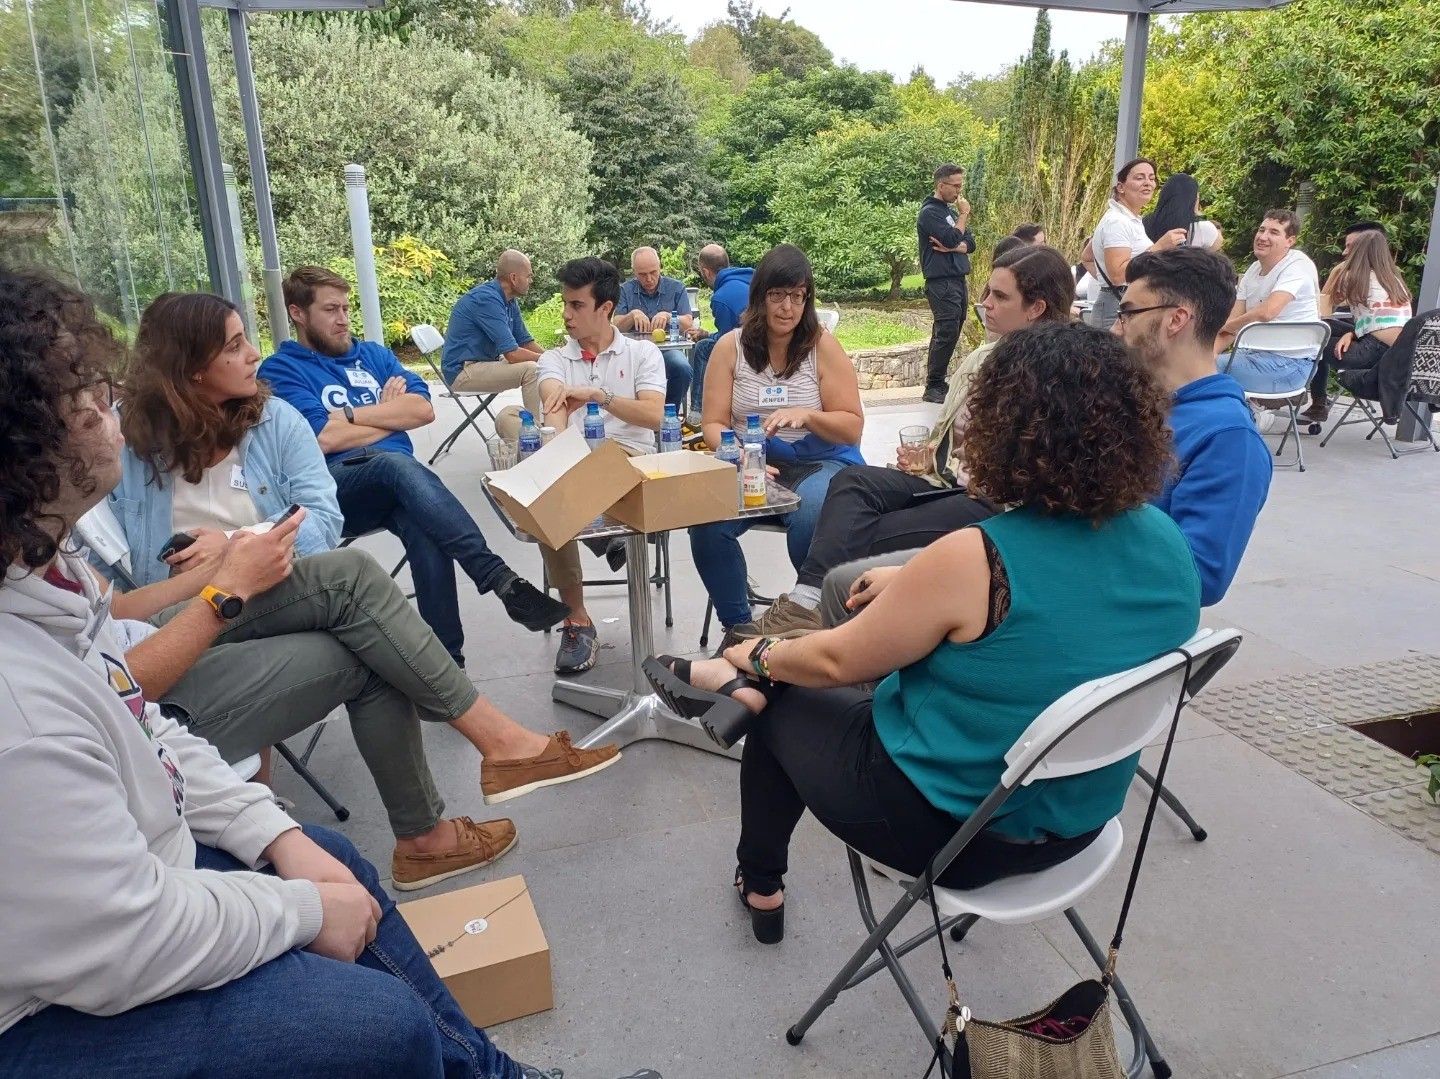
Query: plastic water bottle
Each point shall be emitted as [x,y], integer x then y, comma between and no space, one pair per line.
[754,434]
[594,425]
[752,476]
[674,325]
[529,436]
[729,451]
[670,430]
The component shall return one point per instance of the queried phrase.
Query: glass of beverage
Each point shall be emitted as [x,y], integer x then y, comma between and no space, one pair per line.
[503,453]
[915,455]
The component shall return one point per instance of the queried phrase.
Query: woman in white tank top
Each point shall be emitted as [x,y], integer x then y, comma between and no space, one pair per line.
[781,365]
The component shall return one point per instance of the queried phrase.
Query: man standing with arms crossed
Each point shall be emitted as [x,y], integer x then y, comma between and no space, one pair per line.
[943,228]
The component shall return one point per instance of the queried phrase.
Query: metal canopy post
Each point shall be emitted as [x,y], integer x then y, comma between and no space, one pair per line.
[197,109]
[259,180]
[1132,88]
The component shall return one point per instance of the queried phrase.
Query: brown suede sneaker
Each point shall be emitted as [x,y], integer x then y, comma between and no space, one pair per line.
[559,763]
[785,619]
[480,844]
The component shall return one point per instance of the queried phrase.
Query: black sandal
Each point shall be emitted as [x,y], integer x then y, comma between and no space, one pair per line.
[767,925]
[724,718]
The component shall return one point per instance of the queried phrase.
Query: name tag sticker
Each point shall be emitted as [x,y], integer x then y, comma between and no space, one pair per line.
[237,478]
[774,396]
[950,220]
[362,378]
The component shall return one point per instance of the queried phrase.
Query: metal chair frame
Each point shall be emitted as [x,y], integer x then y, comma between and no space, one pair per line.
[429,341]
[1285,335]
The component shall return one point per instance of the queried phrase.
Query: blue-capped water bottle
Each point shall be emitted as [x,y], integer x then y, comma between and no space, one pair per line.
[670,430]
[754,435]
[594,425]
[674,335]
[529,436]
[729,452]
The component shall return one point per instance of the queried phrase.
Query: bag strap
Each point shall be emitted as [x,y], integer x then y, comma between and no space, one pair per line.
[1109,975]
[955,1016]
[1117,291]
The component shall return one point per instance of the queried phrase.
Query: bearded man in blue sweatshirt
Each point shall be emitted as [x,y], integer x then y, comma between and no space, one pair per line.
[361,402]
[1175,304]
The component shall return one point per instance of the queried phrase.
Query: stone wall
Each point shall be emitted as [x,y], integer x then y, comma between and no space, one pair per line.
[885,368]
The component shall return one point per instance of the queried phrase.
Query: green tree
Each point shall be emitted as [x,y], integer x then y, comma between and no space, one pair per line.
[776,43]
[718,49]
[468,162]
[849,198]
[650,184]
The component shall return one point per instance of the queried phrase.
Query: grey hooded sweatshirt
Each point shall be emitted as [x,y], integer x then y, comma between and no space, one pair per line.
[102,801]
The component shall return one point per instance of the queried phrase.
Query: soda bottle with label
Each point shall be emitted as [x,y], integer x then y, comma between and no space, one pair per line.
[752,476]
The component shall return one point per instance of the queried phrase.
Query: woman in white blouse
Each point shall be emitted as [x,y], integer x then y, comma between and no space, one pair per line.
[1121,235]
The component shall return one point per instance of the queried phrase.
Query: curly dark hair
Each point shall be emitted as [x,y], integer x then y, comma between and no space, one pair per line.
[1066,419]
[52,345]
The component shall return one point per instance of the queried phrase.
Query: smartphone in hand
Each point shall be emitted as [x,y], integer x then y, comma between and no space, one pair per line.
[175,544]
[291,512]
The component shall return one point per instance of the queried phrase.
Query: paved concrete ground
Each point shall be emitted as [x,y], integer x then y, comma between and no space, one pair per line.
[1300,940]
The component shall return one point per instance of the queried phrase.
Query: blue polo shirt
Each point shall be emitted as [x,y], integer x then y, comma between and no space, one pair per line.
[483,325]
[669,295]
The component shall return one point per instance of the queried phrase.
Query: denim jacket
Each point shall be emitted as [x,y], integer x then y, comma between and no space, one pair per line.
[282,463]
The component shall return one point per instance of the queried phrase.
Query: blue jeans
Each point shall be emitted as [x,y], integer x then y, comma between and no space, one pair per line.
[394,491]
[721,563]
[1260,371]
[300,1015]
[699,357]
[677,378]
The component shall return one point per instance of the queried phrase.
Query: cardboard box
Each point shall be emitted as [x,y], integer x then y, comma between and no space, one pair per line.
[497,963]
[679,490]
[560,490]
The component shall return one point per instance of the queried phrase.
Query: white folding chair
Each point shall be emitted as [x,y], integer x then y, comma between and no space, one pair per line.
[1287,336]
[101,532]
[1091,727]
[430,343]
[828,319]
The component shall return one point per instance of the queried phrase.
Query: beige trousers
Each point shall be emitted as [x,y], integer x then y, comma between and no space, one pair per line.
[492,376]
[563,565]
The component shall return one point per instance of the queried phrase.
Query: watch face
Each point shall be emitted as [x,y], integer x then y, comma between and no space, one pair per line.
[231,606]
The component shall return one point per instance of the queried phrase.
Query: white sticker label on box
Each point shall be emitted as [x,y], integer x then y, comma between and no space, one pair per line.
[774,396]
[478,925]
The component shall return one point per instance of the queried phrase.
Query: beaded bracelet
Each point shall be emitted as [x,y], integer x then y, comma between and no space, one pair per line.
[760,657]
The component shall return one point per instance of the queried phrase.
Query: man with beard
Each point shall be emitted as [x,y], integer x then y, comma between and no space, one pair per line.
[361,402]
[1174,307]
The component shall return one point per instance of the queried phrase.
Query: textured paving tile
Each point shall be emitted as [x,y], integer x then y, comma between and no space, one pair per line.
[1408,810]
[1344,762]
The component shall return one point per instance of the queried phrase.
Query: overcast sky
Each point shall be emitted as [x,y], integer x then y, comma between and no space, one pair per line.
[946,37]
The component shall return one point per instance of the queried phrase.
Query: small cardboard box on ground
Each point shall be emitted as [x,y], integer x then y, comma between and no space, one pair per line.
[497,964]
[678,490]
[559,491]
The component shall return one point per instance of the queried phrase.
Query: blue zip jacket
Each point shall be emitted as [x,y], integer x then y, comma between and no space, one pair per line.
[730,298]
[316,385]
[810,448]
[282,464]
[1222,480]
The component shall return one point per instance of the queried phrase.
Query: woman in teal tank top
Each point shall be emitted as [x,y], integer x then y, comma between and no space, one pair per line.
[978,634]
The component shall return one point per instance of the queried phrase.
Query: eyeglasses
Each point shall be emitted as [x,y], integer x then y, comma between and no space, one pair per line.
[1130,312]
[796,296]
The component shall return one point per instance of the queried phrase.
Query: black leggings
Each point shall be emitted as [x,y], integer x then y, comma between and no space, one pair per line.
[870,510]
[817,749]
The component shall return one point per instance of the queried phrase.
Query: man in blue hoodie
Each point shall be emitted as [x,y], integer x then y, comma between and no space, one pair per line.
[361,402]
[1175,304]
[729,297]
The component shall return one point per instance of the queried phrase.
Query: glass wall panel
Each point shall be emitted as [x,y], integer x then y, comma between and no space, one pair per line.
[94,173]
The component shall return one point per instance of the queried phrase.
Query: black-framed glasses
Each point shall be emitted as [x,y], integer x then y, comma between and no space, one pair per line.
[796,296]
[1130,312]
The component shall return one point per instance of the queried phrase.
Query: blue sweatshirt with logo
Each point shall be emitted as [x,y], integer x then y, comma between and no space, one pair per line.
[730,298]
[315,385]
[1221,481]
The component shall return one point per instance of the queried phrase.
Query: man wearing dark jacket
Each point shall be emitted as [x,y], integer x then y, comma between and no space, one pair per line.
[945,246]
[728,300]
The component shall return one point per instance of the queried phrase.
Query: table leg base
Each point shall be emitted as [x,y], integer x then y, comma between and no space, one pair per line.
[634,717]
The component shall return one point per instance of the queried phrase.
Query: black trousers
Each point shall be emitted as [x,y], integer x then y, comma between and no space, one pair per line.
[870,510]
[817,749]
[949,303]
[1320,384]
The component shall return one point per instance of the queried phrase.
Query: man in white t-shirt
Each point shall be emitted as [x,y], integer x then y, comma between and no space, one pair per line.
[1281,285]
[626,378]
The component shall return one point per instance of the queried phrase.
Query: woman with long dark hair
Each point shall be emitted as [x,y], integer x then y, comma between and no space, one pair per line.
[871,510]
[780,365]
[1369,283]
[965,637]
[1178,207]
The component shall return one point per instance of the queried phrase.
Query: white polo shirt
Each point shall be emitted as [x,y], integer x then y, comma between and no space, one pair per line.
[624,367]
[1295,274]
